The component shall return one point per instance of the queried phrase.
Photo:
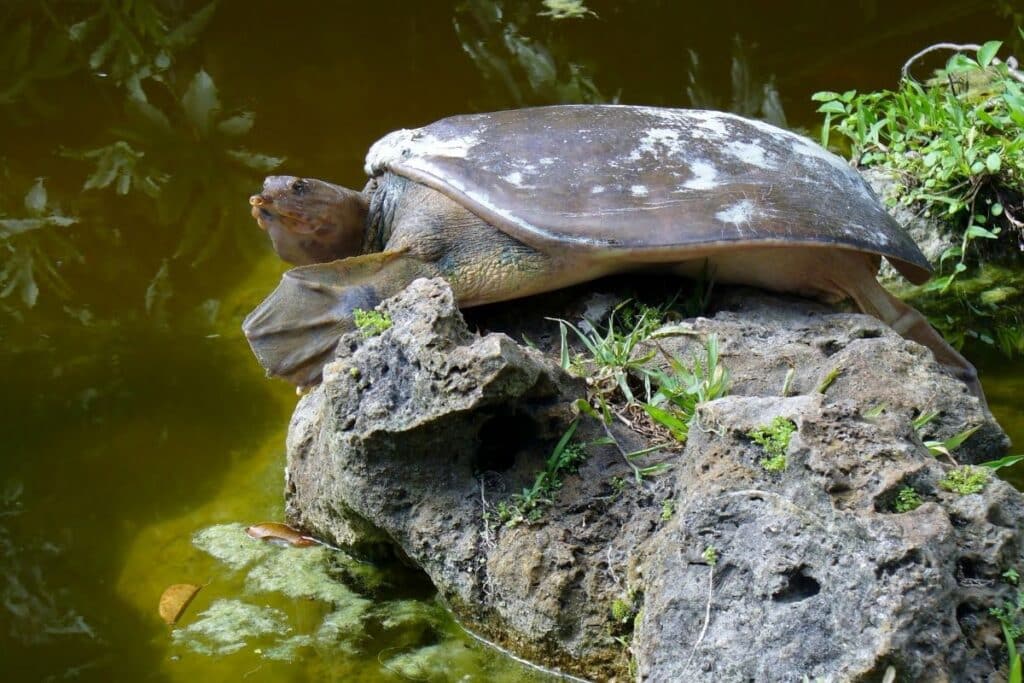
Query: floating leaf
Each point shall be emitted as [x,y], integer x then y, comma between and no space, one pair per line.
[175,600]
[275,532]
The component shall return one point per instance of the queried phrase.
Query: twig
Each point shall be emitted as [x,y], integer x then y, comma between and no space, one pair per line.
[625,456]
[1011,63]
[707,617]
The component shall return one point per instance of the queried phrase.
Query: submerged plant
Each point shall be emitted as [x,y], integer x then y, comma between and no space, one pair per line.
[130,42]
[520,66]
[565,9]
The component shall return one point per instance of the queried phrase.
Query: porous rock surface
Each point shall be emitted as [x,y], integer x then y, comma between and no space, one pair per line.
[417,434]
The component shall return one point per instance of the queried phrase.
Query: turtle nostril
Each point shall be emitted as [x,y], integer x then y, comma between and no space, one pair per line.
[257,200]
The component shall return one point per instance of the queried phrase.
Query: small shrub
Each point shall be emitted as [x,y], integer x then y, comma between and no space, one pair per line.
[965,480]
[907,499]
[774,439]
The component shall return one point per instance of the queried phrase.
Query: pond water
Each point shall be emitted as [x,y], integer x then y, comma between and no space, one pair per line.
[134,417]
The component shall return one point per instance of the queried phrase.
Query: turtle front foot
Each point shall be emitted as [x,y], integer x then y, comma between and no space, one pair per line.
[295,331]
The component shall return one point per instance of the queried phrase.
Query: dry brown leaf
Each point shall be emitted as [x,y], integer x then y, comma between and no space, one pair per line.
[175,600]
[275,532]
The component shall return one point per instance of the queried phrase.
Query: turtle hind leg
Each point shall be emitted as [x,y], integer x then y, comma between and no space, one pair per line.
[294,332]
[872,298]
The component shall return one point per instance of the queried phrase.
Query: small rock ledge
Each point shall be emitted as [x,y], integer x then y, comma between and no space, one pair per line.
[417,433]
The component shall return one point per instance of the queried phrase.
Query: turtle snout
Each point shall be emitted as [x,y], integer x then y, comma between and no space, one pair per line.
[259,212]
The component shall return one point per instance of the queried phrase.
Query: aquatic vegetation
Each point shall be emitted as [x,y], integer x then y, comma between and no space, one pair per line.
[774,439]
[130,42]
[30,57]
[33,245]
[230,545]
[229,625]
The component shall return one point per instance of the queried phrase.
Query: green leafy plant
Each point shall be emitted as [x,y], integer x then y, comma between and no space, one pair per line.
[774,439]
[565,9]
[1011,620]
[946,446]
[523,63]
[527,506]
[681,390]
[614,353]
[907,499]
[370,323]
[955,147]
[965,480]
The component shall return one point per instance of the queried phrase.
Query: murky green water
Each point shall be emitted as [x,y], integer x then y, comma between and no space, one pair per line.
[133,416]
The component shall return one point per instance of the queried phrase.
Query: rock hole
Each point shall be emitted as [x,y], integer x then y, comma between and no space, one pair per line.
[868,333]
[971,572]
[501,438]
[830,347]
[890,567]
[996,514]
[799,586]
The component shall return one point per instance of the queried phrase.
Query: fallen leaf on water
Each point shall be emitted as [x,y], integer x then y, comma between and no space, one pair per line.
[175,600]
[275,532]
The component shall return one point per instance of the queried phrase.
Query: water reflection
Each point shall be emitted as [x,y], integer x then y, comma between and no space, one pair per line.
[519,56]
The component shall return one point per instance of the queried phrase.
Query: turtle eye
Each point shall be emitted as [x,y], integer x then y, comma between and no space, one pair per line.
[300,187]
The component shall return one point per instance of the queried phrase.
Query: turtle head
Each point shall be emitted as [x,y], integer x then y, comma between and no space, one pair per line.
[309,220]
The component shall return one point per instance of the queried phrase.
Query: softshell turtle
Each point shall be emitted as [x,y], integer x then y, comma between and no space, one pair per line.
[513,203]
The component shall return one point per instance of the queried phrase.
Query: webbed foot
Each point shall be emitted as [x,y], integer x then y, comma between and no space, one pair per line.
[294,332]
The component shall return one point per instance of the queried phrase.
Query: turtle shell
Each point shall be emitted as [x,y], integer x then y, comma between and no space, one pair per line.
[653,182]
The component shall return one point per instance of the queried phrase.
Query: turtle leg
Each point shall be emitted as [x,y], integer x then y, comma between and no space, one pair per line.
[294,332]
[872,298]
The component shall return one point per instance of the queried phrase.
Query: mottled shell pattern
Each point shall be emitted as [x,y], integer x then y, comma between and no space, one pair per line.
[646,180]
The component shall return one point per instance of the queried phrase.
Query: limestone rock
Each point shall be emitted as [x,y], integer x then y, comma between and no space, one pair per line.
[417,434]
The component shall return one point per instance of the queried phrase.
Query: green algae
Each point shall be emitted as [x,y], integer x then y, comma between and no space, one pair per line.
[227,626]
